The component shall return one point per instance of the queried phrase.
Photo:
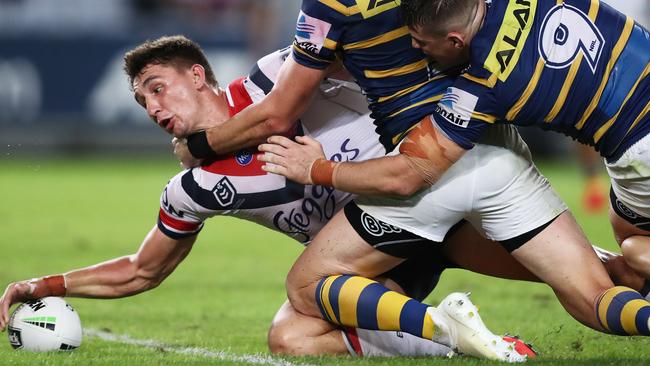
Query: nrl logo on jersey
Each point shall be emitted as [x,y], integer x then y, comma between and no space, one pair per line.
[224,192]
[311,33]
[457,106]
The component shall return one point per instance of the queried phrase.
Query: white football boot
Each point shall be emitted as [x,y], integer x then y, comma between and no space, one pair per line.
[468,333]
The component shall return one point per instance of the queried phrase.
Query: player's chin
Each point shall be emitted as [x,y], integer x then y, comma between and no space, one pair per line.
[179,132]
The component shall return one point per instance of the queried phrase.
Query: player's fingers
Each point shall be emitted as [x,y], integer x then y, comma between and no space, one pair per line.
[307,140]
[281,140]
[4,312]
[274,168]
[272,158]
[272,148]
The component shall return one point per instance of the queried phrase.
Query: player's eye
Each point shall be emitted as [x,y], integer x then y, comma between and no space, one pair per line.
[157,89]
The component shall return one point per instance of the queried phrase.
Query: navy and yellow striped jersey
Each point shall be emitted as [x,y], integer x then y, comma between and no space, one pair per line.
[578,67]
[373,43]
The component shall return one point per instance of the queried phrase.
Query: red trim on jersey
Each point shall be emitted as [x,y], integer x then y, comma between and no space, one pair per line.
[244,163]
[176,223]
[240,97]
[353,338]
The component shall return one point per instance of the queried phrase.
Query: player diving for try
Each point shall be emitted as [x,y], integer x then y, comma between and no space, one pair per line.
[174,83]
[402,88]
[185,90]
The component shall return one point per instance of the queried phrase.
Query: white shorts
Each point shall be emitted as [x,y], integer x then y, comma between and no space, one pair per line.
[495,186]
[630,176]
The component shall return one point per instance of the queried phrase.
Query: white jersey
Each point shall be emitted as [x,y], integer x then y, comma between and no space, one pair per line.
[237,186]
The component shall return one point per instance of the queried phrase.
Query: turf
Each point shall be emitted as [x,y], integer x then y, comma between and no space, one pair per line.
[60,214]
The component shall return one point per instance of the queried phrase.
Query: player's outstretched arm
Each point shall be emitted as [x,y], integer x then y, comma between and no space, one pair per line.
[424,156]
[157,257]
[275,115]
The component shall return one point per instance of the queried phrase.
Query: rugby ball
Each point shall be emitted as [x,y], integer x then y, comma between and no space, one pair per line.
[46,324]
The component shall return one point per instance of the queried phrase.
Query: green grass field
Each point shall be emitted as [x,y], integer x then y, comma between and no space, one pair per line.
[63,214]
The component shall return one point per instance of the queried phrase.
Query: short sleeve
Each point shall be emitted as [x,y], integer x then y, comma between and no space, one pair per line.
[318,29]
[464,112]
[177,217]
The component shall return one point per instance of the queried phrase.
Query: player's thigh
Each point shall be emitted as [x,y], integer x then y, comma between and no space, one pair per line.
[561,256]
[467,249]
[337,249]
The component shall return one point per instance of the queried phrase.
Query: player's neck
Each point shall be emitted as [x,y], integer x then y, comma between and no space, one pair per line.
[216,107]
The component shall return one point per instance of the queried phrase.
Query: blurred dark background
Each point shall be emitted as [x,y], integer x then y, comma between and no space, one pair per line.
[62,89]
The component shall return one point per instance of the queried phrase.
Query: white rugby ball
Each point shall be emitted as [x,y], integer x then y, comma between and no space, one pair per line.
[46,324]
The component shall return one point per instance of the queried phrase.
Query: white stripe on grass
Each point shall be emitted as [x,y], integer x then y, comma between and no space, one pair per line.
[203,352]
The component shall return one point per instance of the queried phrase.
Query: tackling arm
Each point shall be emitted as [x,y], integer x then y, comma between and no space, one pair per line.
[276,114]
[157,257]
[425,155]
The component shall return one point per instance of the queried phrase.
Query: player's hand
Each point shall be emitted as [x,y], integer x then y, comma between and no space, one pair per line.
[15,293]
[183,154]
[291,159]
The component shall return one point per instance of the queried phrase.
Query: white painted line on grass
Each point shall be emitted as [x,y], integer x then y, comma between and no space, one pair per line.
[203,352]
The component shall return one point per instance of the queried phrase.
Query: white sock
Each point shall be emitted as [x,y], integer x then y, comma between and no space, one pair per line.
[376,343]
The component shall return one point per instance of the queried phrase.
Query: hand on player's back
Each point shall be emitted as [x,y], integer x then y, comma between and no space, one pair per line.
[183,154]
[291,159]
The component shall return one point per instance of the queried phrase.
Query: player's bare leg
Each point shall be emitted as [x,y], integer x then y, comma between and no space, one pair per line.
[562,257]
[293,333]
[473,252]
[355,301]
[296,334]
[634,242]
[337,249]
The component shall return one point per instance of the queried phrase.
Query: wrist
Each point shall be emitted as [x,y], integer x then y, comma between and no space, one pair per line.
[47,286]
[323,172]
[199,146]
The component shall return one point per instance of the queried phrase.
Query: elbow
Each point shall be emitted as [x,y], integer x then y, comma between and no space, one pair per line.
[279,126]
[149,281]
[146,279]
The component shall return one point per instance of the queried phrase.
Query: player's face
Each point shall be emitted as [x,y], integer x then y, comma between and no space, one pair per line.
[170,97]
[447,51]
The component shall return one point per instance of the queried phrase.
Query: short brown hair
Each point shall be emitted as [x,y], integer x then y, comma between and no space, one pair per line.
[178,51]
[436,15]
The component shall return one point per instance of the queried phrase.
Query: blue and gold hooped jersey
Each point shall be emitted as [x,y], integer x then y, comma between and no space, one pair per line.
[373,43]
[578,67]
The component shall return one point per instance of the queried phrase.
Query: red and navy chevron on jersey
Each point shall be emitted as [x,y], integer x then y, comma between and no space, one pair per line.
[236,186]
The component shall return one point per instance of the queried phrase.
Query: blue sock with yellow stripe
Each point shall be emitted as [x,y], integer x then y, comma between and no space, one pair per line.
[623,311]
[358,302]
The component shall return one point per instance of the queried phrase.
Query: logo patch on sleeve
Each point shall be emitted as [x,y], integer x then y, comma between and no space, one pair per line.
[311,33]
[457,106]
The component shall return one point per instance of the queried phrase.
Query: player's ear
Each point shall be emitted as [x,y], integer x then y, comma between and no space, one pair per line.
[198,75]
[456,39]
